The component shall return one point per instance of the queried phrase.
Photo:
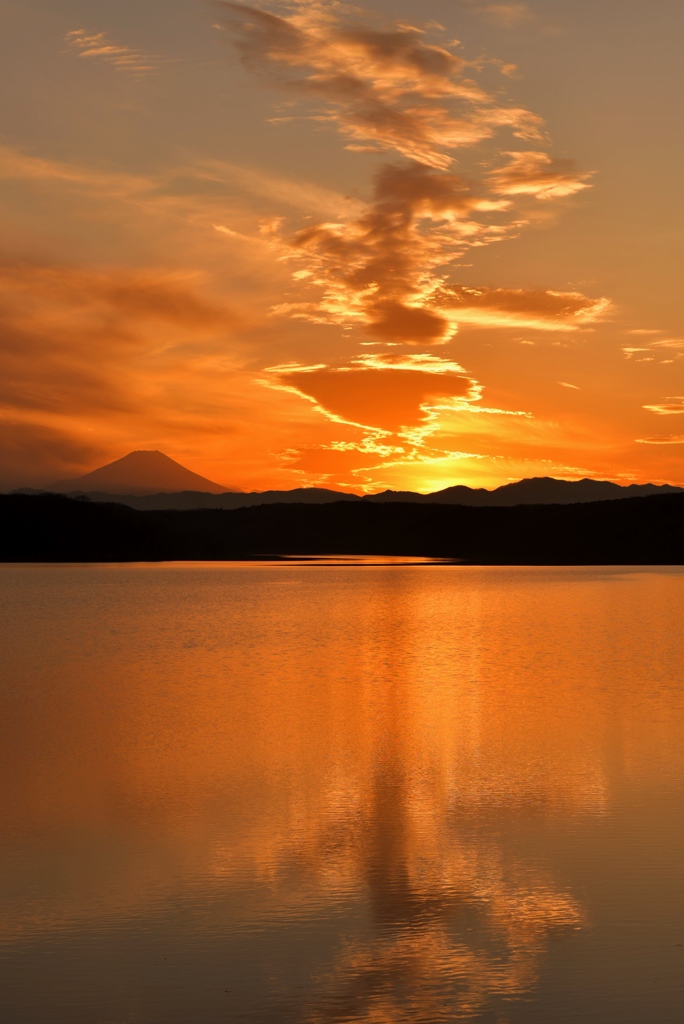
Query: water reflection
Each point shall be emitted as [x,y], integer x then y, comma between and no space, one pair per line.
[323,793]
[452,926]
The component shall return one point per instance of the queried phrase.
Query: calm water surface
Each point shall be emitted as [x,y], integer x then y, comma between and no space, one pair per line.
[319,793]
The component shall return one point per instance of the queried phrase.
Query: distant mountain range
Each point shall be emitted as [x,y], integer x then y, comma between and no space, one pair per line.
[540,490]
[151,480]
[147,507]
[537,491]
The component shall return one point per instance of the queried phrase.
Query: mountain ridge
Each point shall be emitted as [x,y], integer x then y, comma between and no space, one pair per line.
[529,491]
[151,480]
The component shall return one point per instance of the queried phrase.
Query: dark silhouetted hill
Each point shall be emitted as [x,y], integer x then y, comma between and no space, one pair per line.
[636,531]
[225,500]
[139,473]
[541,490]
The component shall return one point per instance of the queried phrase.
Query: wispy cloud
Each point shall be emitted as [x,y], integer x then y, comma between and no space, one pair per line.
[537,174]
[393,90]
[669,343]
[668,407]
[663,350]
[669,439]
[507,15]
[194,195]
[98,46]
[522,307]
[16,165]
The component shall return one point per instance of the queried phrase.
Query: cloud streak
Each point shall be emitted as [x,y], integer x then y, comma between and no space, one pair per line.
[98,46]
[668,407]
[670,439]
[537,174]
[508,15]
[663,350]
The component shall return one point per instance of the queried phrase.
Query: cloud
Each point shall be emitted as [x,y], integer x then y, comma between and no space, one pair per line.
[539,175]
[651,351]
[191,195]
[504,15]
[392,89]
[520,307]
[670,439]
[16,165]
[385,266]
[382,393]
[89,358]
[388,411]
[508,15]
[142,293]
[31,451]
[630,351]
[67,333]
[97,46]
[384,270]
[668,407]
[298,194]
[671,343]
[111,350]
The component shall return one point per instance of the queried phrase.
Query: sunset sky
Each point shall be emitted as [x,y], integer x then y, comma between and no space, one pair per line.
[309,243]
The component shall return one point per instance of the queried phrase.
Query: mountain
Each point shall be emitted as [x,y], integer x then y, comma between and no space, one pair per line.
[225,500]
[140,473]
[541,490]
[637,531]
[536,491]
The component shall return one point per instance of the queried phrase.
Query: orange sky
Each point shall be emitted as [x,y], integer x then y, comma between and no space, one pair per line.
[301,243]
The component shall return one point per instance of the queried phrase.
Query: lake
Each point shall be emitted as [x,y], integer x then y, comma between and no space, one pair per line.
[312,793]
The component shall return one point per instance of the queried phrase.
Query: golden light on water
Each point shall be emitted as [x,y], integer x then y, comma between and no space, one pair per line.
[393,759]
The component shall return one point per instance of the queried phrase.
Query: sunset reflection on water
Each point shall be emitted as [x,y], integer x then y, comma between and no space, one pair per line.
[340,793]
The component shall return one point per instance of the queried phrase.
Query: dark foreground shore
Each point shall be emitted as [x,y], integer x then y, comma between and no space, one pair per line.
[638,531]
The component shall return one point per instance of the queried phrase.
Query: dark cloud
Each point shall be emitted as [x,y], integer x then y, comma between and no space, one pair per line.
[397,322]
[32,453]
